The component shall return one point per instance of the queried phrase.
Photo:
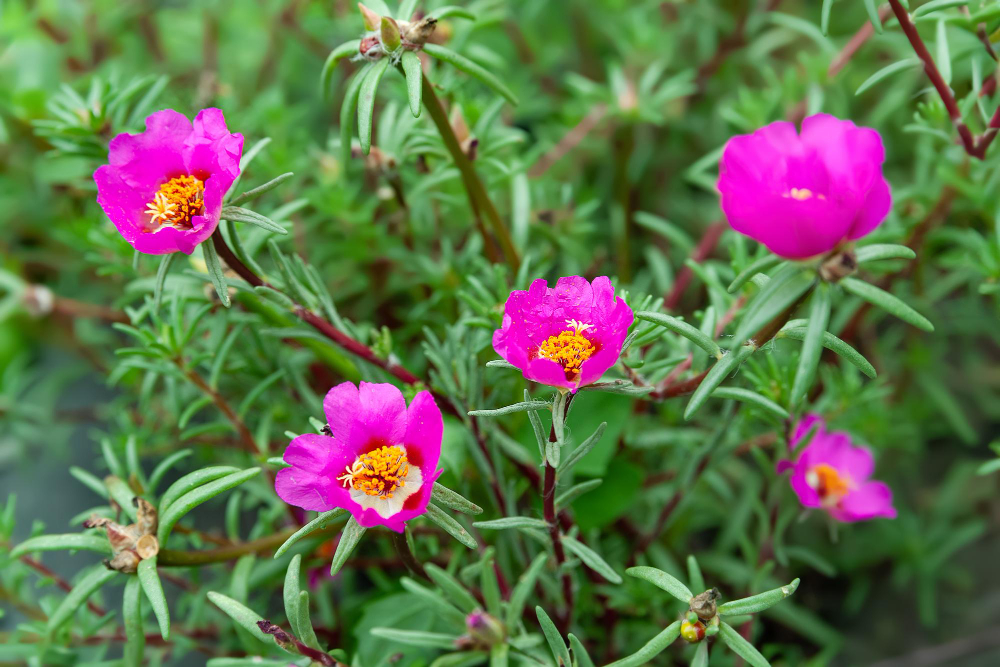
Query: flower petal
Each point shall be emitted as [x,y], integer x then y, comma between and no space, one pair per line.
[424,430]
[872,500]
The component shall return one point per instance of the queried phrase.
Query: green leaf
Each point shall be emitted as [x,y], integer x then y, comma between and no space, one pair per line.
[89,481]
[244,617]
[149,578]
[812,346]
[440,607]
[261,189]
[490,585]
[88,584]
[190,481]
[135,638]
[453,590]
[290,593]
[653,647]
[824,21]
[876,251]
[759,266]
[122,494]
[741,647]
[450,526]
[759,602]
[343,51]
[215,272]
[522,589]
[700,658]
[556,643]
[580,656]
[938,5]
[319,523]
[308,633]
[347,112]
[886,72]
[461,62]
[682,328]
[452,11]
[583,448]
[722,368]
[943,57]
[591,559]
[73,541]
[161,276]
[886,301]
[238,214]
[873,16]
[406,9]
[661,579]
[414,81]
[523,406]
[349,538]
[416,637]
[570,494]
[780,292]
[445,496]
[195,497]
[748,396]
[836,346]
[509,522]
[366,102]
[695,577]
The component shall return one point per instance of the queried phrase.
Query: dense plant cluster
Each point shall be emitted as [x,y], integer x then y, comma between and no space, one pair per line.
[562,333]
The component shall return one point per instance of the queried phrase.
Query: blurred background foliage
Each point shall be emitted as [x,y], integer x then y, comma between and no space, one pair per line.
[605,167]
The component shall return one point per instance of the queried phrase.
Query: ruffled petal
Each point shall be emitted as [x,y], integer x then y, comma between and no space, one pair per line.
[807,495]
[548,372]
[212,150]
[872,500]
[303,488]
[877,205]
[804,426]
[147,159]
[424,430]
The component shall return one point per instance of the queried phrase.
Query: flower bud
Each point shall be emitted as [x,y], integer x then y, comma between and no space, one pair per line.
[420,32]
[838,265]
[693,632]
[391,39]
[371,19]
[484,630]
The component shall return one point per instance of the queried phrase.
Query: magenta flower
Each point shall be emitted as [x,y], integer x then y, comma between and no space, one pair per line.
[380,463]
[564,337]
[804,194]
[832,474]
[163,188]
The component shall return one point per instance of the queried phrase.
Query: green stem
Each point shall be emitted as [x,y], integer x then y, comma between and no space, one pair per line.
[479,200]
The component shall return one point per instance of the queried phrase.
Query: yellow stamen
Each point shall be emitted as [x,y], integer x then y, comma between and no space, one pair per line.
[378,472]
[802,194]
[568,348]
[828,482]
[177,201]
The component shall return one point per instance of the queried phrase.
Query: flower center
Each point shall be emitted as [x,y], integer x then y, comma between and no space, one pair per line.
[569,348]
[177,201]
[828,483]
[378,472]
[802,194]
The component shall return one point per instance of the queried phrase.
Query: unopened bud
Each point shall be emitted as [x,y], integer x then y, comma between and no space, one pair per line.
[713,627]
[693,632]
[371,19]
[703,604]
[420,32]
[484,630]
[838,265]
[391,39]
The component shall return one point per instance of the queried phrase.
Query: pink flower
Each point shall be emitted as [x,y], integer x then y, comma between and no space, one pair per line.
[163,188]
[832,474]
[803,194]
[380,463]
[564,337]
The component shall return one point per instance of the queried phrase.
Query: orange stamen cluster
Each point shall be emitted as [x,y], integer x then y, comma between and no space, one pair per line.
[828,482]
[568,348]
[378,472]
[177,201]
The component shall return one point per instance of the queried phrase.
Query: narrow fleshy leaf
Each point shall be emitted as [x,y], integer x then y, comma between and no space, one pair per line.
[72,541]
[653,647]
[886,72]
[320,522]
[509,522]
[824,21]
[308,633]
[722,368]
[347,112]
[836,346]
[250,195]
[215,272]
[453,590]
[122,494]
[682,328]
[556,643]
[759,602]
[452,11]
[876,251]
[389,30]
[242,615]
[812,346]
[414,83]
[580,656]
[469,67]
[575,491]
[887,302]
[290,593]
[522,589]
[195,497]
[416,637]
[741,647]
[591,559]
[938,5]
[695,578]
[151,586]
[238,214]
[758,266]
[943,56]
[700,658]
[88,584]
[349,538]
[661,579]
[780,292]
[490,585]
[161,277]
[192,481]
[583,448]
[450,526]
[345,50]
[511,409]
[366,102]
[135,638]
[750,396]
[872,8]
[442,495]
